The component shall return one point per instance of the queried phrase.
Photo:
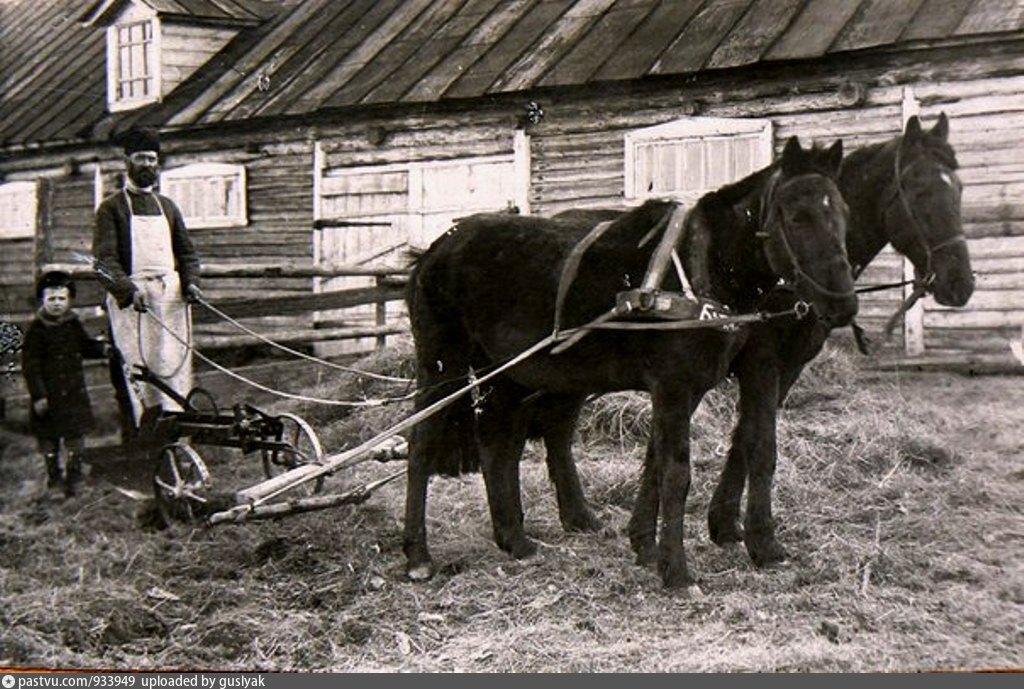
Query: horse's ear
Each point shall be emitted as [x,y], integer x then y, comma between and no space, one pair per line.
[791,155]
[941,128]
[912,132]
[835,155]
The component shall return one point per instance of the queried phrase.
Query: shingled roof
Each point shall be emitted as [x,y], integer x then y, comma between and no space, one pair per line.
[337,54]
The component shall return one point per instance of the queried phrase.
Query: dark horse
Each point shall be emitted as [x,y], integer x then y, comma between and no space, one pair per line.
[905,192]
[486,292]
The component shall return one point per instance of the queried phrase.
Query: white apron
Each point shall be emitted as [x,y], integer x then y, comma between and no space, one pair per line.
[139,336]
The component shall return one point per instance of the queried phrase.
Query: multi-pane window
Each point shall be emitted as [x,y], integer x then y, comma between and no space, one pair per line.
[17,210]
[208,194]
[687,158]
[133,63]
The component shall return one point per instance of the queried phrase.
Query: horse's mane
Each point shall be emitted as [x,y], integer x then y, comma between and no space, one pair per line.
[734,192]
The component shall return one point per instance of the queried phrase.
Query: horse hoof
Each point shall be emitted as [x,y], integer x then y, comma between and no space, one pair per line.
[724,534]
[582,523]
[769,555]
[418,573]
[522,548]
[646,556]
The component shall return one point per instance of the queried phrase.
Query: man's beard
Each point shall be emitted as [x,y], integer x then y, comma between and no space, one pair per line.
[143,178]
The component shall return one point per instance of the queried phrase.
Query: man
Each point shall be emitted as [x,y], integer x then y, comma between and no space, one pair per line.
[149,267]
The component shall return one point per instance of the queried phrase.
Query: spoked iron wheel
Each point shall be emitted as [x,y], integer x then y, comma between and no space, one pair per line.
[302,446]
[180,484]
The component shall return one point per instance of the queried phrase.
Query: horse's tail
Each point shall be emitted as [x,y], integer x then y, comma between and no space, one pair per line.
[445,441]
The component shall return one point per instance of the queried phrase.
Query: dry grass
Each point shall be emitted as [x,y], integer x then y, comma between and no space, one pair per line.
[899,497]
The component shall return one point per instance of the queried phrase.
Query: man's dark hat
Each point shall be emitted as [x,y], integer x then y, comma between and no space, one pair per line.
[55,278]
[139,139]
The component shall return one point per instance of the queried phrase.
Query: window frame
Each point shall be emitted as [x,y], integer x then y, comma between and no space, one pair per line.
[195,171]
[687,129]
[115,101]
[26,230]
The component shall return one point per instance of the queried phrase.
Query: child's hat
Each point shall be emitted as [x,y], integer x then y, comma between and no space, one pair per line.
[55,278]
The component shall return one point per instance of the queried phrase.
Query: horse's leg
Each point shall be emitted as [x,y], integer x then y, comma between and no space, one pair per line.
[756,372]
[558,417]
[419,566]
[671,438]
[756,438]
[501,433]
[643,522]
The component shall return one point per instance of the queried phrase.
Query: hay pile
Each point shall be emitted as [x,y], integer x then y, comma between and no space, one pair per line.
[898,498]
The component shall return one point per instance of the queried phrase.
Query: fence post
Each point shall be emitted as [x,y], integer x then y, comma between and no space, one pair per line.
[382,317]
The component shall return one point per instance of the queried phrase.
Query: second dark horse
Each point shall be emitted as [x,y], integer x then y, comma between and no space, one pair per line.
[486,291]
[904,191]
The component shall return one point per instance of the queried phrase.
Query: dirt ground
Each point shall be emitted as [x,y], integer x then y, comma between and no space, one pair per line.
[898,495]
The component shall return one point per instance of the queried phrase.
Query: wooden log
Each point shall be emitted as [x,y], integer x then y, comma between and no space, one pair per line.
[83,271]
[247,308]
[996,247]
[987,300]
[307,335]
[973,319]
[267,271]
[971,339]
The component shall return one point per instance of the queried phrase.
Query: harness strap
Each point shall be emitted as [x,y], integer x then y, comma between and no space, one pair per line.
[674,223]
[920,289]
[572,266]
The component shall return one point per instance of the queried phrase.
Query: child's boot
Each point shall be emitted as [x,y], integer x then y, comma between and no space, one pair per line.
[54,476]
[73,479]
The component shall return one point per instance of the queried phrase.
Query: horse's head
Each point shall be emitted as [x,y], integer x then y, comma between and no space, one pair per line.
[923,212]
[804,221]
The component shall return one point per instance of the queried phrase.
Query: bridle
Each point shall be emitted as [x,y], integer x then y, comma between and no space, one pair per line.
[770,216]
[899,194]
[922,285]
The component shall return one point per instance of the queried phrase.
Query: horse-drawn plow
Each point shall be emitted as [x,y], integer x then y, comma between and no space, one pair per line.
[293,460]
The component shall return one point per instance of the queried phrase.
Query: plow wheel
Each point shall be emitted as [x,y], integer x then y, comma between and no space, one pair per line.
[179,483]
[202,400]
[303,447]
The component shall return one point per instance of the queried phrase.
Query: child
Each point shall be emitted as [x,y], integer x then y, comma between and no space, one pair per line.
[52,354]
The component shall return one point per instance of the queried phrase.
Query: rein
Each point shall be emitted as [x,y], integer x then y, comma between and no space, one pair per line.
[264,388]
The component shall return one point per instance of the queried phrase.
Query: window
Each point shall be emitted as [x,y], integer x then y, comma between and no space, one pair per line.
[687,158]
[208,194]
[133,64]
[17,210]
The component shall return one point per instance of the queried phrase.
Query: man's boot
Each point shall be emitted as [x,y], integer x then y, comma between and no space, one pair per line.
[73,479]
[54,476]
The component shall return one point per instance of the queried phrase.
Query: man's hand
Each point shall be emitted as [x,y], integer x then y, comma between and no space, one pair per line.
[193,294]
[139,301]
[41,406]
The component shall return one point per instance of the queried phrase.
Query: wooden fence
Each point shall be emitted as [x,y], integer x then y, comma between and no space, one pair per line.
[285,318]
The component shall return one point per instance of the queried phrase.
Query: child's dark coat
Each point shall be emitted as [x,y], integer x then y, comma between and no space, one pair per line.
[52,365]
